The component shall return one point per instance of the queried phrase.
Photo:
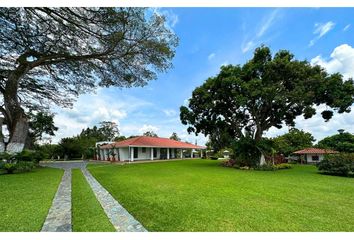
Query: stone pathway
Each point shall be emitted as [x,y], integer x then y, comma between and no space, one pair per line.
[119,217]
[59,216]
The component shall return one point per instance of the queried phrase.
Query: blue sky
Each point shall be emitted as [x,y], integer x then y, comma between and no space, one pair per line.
[209,38]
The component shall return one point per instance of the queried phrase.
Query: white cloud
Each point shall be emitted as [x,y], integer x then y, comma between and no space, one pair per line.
[170,112]
[342,60]
[321,29]
[346,27]
[90,109]
[147,127]
[267,22]
[211,56]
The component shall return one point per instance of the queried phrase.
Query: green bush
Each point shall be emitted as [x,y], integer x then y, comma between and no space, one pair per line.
[29,156]
[25,166]
[271,167]
[337,164]
[10,167]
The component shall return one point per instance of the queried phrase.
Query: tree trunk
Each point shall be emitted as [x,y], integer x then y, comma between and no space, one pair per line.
[15,116]
[2,142]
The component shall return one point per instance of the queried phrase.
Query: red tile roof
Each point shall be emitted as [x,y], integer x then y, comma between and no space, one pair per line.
[144,141]
[315,151]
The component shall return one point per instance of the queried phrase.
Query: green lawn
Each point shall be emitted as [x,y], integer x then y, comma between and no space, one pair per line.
[25,199]
[88,215]
[199,195]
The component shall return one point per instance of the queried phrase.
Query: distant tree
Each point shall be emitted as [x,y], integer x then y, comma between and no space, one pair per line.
[219,139]
[292,141]
[109,130]
[106,131]
[342,142]
[267,91]
[120,138]
[174,136]
[150,134]
[52,55]
[40,123]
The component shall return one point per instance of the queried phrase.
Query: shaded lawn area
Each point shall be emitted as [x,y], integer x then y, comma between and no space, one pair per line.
[25,199]
[199,195]
[88,215]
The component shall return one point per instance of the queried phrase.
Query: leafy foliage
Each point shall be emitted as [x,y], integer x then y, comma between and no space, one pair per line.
[338,164]
[150,134]
[265,92]
[342,142]
[174,136]
[292,141]
[52,55]
[41,123]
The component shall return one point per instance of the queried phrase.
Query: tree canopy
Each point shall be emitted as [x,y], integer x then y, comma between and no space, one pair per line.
[174,136]
[51,55]
[292,141]
[342,142]
[150,134]
[267,91]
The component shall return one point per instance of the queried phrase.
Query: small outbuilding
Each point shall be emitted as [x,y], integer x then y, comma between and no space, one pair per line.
[147,148]
[313,155]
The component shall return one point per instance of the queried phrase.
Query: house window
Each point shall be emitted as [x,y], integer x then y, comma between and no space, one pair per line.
[155,152]
[135,152]
[315,158]
[143,150]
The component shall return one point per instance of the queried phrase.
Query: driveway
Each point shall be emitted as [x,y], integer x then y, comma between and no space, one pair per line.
[65,165]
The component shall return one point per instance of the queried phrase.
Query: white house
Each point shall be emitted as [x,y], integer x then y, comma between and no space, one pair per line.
[313,155]
[147,148]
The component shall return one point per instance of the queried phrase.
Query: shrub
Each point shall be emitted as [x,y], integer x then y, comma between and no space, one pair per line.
[29,156]
[271,167]
[228,163]
[10,167]
[25,166]
[337,164]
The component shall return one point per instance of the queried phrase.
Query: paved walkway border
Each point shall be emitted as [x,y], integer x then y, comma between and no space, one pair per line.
[59,215]
[118,216]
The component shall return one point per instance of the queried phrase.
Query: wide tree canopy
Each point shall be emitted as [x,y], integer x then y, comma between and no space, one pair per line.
[342,142]
[51,55]
[292,141]
[267,91]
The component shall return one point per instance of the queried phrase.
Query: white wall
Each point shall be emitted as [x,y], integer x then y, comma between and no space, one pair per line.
[309,158]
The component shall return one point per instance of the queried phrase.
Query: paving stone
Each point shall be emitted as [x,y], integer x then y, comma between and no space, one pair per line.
[120,218]
[59,215]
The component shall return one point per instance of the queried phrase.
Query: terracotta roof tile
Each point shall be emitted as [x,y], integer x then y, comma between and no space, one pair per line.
[315,151]
[152,142]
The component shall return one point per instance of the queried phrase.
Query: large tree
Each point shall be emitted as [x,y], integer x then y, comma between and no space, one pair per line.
[267,91]
[292,141]
[343,142]
[175,137]
[51,55]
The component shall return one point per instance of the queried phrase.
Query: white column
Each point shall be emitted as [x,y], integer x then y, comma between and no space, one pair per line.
[103,155]
[181,153]
[192,153]
[152,153]
[131,154]
[168,153]
[201,153]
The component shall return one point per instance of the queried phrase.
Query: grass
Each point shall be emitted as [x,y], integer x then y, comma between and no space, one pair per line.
[25,199]
[199,195]
[88,215]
